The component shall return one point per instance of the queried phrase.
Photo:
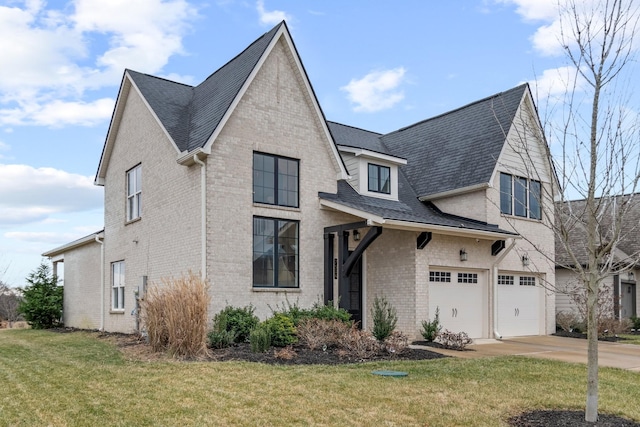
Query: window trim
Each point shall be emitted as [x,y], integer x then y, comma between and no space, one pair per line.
[118,286]
[518,199]
[134,199]
[380,187]
[276,271]
[276,177]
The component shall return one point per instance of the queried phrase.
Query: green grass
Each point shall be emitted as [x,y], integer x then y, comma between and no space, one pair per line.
[630,339]
[78,380]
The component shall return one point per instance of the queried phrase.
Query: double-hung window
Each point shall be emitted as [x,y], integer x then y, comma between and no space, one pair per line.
[520,196]
[117,285]
[275,180]
[134,193]
[379,179]
[275,252]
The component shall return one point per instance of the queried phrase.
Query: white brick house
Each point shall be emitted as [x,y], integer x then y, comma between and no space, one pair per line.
[242,179]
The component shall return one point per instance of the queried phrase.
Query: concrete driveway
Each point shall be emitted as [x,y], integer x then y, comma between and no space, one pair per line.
[616,355]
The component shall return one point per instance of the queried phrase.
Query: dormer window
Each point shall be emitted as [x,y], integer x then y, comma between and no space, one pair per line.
[379,179]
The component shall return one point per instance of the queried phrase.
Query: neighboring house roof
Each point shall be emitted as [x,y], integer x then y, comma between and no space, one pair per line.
[60,250]
[458,149]
[192,116]
[573,214]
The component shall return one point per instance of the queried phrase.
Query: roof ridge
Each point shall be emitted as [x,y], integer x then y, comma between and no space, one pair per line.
[158,78]
[496,95]
[355,127]
[273,30]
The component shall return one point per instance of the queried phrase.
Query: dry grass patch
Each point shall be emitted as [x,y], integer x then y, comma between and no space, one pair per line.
[94,385]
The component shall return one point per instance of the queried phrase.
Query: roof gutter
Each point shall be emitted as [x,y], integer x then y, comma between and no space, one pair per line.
[494,273]
[448,230]
[101,242]
[456,192]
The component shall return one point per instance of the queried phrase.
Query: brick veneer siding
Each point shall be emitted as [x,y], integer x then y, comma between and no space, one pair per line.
[165,242]
[82,287]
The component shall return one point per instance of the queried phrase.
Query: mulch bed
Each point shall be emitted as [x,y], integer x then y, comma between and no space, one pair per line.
[567,418]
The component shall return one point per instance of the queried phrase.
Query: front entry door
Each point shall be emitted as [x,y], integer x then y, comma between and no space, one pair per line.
[354,298]
[628,300]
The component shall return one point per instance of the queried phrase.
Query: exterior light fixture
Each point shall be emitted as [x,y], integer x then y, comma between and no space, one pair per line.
[356,235]
[463,255]
[525,260]
[631,276]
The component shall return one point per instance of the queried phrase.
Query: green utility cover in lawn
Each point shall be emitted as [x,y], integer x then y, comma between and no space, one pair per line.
[395,374]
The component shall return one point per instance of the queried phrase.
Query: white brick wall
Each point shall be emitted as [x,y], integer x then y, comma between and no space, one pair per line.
[82,287]
[166,240]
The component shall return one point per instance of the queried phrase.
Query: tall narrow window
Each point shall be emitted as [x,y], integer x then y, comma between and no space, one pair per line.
[275,180]
[535,212]
[275,253]
[505,193]
[520,196]
[379,179]
[134,193]
[117,285]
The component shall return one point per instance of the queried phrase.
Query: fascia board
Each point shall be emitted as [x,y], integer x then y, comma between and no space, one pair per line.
[352,211]
[362,152]
[60,250]
[451,231]
[276,38]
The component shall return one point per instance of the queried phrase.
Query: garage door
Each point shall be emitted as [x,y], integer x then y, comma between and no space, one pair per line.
[461,297]
[518,305]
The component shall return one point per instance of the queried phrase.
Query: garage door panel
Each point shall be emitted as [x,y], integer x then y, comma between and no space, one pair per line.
[518,308]
[461,305]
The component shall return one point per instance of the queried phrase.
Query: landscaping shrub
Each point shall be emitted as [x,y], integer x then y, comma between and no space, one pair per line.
[221,338]
[318,333]
[174,315]
[609,326]
[317,311]
[283,330]
[260,338]
[384,318]
[397,343]
[635,322]
[238,321]
[567,320]
[431,329]
[453,340]
[41,303]
[358,344]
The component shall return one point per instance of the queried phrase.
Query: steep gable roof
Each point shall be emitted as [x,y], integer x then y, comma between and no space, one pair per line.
[458,149]
[191,116]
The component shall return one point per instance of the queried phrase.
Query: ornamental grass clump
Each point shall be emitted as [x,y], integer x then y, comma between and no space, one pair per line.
[174,315]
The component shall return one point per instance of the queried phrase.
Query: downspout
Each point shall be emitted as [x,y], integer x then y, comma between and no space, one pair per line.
[101,242]
[203,216]
[494,270]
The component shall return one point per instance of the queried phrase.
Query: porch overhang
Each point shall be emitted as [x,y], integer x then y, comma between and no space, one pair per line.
[460,231]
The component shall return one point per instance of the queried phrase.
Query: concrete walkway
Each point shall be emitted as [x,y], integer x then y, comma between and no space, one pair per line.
[616,355]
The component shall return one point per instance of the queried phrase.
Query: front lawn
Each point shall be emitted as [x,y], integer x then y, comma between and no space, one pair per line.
[630,338]
[76,379]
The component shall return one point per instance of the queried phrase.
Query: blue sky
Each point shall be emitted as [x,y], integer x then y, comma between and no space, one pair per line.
[378,65]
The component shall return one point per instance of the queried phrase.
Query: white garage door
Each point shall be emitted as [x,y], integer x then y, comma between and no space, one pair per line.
[461,297]
[518,305]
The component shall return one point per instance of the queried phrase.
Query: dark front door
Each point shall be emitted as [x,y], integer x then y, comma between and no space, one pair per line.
[354,297]
[628,299]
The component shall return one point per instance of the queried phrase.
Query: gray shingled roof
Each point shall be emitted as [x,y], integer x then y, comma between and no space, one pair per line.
[574,216]
[191,114]
[357,138]
[457,149]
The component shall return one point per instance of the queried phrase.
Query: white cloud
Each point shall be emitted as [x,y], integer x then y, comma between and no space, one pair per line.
[30,194]
[377,90]
[535,10]
[58,59]
[556,82]
[271,17]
